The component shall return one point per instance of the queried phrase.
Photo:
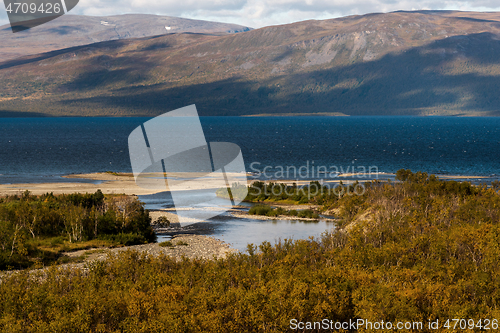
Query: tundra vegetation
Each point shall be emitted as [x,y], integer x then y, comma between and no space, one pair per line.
[415,250]
[279,211]
[37,229]
[277,192]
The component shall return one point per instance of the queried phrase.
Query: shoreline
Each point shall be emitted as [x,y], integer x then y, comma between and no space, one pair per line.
[124,183]
[245,215]
[114,183]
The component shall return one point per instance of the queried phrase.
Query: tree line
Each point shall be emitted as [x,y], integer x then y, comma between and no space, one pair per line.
[33,227]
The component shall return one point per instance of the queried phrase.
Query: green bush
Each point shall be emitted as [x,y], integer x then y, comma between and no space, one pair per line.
[272,213]
[259,210]
[307,213]
[281,211]
[163,222]
[125,239]
[57,240]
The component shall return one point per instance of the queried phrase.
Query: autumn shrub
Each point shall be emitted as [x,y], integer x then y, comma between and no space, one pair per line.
[415,250]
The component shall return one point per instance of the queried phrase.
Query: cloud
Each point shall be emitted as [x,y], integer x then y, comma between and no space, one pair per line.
[259,13]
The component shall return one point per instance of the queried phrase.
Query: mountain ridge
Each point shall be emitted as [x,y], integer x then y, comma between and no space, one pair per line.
[78,30]
[400,63]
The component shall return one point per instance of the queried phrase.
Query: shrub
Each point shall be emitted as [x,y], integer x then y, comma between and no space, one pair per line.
[280,211]
[272,213]
[125,239]
[163,222]
[307,213]
[259,210]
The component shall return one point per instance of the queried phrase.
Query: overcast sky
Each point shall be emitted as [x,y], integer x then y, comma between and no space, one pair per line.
[259,13]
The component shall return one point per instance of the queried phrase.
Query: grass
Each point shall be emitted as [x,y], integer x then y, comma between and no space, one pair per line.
[269,211]
[285,202]
[94,251]
[120,174]
[69,260]
[170,244]
[59,244]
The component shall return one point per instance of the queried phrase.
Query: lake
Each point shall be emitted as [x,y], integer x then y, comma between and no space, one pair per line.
[33,148]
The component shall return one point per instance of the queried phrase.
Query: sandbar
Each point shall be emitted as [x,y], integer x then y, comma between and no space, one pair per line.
[119,183]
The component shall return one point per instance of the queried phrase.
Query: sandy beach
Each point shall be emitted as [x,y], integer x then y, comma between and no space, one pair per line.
[119,183]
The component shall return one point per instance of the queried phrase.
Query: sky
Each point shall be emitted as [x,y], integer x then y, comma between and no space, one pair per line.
[260,13]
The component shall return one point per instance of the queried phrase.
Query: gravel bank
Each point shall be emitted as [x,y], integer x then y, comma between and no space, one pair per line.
[198,246]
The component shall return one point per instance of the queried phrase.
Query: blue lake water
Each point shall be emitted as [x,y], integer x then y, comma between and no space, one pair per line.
[44,149]
[33,148]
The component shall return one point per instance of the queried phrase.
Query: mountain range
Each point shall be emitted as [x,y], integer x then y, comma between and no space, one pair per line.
[400,63]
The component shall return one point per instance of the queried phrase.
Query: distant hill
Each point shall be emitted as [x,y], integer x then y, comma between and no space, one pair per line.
[75,30]
[401,63]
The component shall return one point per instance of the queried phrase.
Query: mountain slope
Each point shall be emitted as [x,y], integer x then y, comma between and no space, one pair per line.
[75,30]
[411,63]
